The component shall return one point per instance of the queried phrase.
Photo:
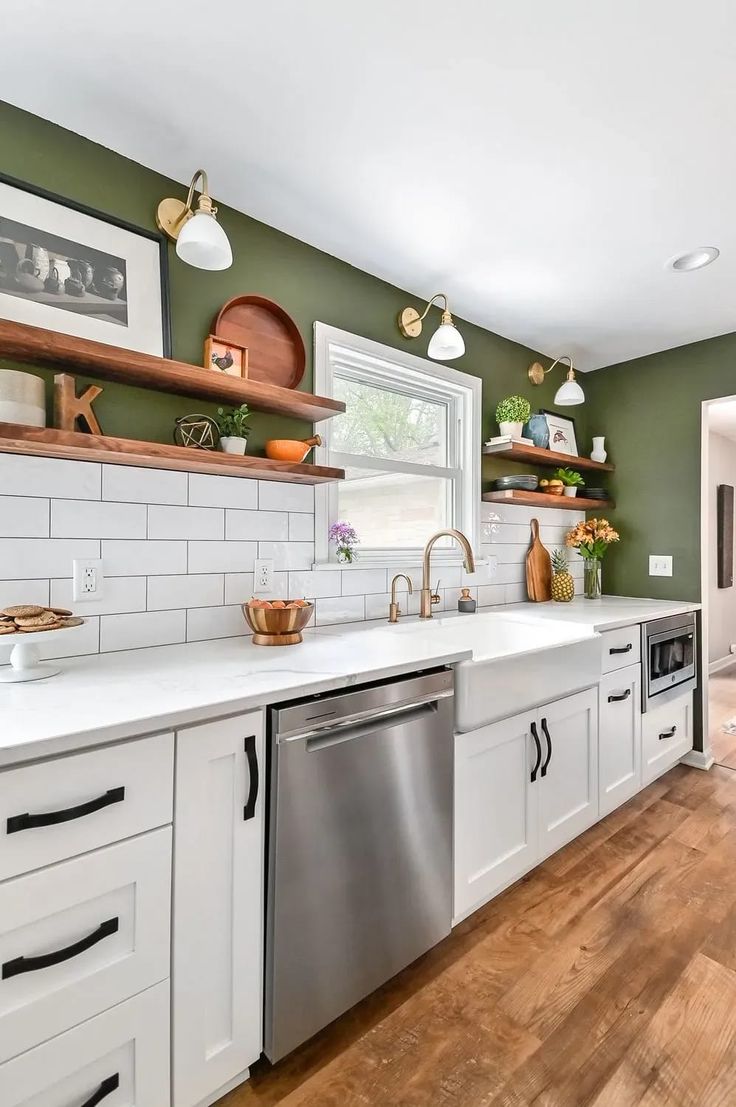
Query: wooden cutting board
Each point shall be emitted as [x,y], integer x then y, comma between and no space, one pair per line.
[538,569]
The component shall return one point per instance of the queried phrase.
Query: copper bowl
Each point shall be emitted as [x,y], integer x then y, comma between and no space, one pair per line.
[290,449]
[277,626]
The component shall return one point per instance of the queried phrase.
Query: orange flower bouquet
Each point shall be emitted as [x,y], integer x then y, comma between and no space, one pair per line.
[592,539]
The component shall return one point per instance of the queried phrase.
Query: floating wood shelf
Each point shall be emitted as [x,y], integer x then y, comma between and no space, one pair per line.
[38,346]
[535,455]
[543,499]
[45,442]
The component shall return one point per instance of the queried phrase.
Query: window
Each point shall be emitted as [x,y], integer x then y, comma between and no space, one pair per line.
[409,442]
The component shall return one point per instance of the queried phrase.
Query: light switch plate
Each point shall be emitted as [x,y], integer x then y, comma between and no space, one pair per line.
[660,565]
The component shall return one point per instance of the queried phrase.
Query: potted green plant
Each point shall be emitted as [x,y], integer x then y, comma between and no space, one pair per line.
[571,479]
[234,429]
[511,414]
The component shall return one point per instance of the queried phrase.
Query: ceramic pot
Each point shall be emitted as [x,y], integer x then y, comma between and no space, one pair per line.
[82,271]
[74,287]
[514,429]
[569,491]
[232,445]
[108,282]
[40,260]
[22,399]
[52,282]
[538,430]
[599,449]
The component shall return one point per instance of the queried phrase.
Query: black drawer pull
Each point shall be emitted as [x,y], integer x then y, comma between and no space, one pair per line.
[617,699]
[250,752]
[549,747]
[103,1091]
[51,818]
[668,734]
[31,964]
[622,649]
[538,746]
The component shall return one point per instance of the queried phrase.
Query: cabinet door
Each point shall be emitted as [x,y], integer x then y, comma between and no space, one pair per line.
[619,746]
[218,905]
[495,809]
[568,792]
[667,735]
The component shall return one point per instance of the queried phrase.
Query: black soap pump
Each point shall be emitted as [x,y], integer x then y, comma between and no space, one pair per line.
[466,603]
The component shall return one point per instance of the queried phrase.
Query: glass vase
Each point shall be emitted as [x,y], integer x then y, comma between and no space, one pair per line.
[592,578]
[345,555]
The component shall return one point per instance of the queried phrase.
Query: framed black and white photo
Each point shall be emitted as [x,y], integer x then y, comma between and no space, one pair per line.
[72,269]
[561,433]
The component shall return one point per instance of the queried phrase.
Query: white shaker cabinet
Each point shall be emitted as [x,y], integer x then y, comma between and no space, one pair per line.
[218,906]
[620,737]
[523,788]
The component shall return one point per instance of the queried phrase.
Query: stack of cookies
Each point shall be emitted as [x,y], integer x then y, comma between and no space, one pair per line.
[28,619]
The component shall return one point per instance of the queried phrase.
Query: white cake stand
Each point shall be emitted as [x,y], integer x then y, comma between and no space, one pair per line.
[25,659]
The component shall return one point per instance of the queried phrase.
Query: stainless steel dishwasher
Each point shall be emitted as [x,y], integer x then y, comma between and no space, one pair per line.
[359,846]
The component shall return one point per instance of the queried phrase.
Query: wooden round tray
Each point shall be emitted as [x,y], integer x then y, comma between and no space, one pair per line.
[276,353]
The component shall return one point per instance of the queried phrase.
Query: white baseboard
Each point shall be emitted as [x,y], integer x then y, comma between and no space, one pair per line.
[721,663]
[698,759]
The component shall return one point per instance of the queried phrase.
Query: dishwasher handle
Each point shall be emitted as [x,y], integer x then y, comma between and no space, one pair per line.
[378,720]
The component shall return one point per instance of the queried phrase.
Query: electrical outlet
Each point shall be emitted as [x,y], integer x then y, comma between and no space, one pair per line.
[263,576]
[88,579]
[660,565]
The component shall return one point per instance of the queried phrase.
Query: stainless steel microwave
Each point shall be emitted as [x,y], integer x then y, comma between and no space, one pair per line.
[669,658]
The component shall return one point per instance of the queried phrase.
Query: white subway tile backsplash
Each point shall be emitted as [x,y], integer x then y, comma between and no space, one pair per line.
[515,593]
[222,557]
[21,475]
[126,559]
[359,582]
[301,527]
[207,490]
[491,594]
[239,587]
[143,486]
[279,496]
[119,595]
[315,583]
[215,622]
[288,555]
[13,592]
[185,590]
[251,526]
[97,519]
[26,558]
[340,609]
[24,517]
[207,523]
[148,628]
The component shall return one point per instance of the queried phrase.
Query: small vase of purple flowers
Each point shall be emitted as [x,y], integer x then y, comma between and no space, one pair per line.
[345,539]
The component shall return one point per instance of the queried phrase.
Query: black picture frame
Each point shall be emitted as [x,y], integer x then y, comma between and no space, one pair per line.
[121,224]
[567,419]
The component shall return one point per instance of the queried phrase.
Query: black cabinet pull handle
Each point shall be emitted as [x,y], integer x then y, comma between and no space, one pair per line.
[538,745]
[549,747]
[668,734]
[51,818]
[622,649]
[31,964]
[250,752]
[617,699]
[103,1091]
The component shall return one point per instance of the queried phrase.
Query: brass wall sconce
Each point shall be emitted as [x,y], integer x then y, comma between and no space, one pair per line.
[446,343]
[200,240]
[569,393]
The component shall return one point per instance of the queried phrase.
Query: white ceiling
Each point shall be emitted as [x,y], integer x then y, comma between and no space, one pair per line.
[538,161]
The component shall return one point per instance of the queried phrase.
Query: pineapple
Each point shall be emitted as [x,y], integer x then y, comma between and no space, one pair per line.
[563,586]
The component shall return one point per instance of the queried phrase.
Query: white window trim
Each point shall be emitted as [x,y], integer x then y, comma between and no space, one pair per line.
[331,343]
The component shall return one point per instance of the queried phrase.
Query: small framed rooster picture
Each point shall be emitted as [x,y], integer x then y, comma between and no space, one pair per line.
[225,357]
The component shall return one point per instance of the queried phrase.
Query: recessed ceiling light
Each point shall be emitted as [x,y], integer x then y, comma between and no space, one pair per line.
[694,259]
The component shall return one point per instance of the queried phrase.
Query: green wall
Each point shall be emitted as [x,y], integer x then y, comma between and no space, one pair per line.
[311,285]
[650,410]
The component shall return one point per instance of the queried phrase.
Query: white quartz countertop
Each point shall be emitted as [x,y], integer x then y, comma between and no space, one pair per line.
[105,697]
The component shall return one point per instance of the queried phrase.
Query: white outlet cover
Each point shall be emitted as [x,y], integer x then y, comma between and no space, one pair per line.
[660,565]
[263,576]
[80,570]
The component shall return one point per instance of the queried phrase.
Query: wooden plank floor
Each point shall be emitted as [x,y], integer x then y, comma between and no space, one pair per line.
[722,706]
[606,977]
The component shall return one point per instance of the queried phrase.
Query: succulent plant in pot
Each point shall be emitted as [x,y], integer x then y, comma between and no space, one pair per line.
[511,414]
[234,429]
[571,480]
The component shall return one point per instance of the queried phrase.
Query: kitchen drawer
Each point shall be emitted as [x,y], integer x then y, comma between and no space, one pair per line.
[619,746]
[621,648]
[118,1059]
[667,735]
[79,937]
[56,809]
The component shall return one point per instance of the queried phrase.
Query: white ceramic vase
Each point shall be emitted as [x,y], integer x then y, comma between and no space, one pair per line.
[570,490]
[233,445]
[514,429]
[22,398]
[599,449]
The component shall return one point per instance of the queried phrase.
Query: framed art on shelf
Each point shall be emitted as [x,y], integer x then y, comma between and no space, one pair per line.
[561,433]
[225,357]
[69,268]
